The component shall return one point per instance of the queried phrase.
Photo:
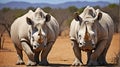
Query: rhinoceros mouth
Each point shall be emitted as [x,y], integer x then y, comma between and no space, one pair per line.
[87,48]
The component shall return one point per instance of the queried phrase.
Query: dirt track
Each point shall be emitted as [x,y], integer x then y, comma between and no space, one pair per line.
[60,55]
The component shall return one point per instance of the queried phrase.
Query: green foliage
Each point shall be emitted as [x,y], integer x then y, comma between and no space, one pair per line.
[19,12]
[47,9]
[31,8]
[112,5]
[81,10]
[6,9]
[96,7]
[72,9]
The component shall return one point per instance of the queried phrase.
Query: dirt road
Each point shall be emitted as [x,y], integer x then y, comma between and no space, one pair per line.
[60,55]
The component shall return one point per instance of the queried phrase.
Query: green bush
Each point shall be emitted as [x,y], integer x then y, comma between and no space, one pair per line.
[112,5]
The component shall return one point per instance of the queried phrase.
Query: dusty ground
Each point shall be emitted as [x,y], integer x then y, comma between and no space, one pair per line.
[60,55]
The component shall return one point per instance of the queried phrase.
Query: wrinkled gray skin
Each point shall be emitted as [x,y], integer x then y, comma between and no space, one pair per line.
[91,31]
[34,33]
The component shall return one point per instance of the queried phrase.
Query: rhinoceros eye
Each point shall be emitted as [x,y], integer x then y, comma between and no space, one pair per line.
[79,36]
[33,38]
[35,29]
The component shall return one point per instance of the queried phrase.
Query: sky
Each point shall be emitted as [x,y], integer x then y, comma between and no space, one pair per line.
[55,1]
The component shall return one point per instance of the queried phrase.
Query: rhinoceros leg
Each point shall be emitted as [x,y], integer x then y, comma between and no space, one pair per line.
[102,57]
[98,51]
[36,57]
[77,53]
[88,56]
[45,53]
[20,56]
[29,53]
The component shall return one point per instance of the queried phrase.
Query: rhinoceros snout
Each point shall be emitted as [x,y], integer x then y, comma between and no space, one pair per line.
[87,47]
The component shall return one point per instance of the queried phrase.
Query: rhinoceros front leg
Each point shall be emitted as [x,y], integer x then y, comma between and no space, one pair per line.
[36,57]
[20,56]
[45,53]
[77,53]
[102,58]
[88,56]
[29,52]
[98,51]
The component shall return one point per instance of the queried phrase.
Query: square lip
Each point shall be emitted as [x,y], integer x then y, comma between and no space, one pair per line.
[86,48]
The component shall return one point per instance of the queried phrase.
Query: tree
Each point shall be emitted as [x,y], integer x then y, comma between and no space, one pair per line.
[30,8]
[112,5]
[61,15]
[6,9]
[2,30]
[72,9]
[47,9]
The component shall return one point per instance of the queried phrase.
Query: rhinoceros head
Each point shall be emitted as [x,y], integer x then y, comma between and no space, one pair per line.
[38,28]
[87,34]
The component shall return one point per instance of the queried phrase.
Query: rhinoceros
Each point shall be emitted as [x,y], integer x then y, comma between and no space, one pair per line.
[91,31]
[34,33]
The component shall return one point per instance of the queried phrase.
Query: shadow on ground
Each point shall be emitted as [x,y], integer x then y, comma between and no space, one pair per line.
[110,64]
[55,64]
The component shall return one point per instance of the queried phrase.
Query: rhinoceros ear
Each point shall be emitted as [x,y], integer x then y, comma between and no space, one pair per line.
[99,14]
[29,21]
[77,17]
[47,18]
